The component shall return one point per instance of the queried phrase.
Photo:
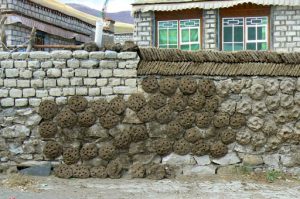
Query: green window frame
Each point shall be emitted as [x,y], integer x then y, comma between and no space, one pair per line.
[244,33]
[183,34]
[168,34]
[190,34]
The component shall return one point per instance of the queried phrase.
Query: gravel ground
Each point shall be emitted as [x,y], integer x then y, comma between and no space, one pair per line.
[214,187]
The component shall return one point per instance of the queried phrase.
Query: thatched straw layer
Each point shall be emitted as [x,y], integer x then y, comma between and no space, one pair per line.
[250,63]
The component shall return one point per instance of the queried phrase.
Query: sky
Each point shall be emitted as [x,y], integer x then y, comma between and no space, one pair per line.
[113,5]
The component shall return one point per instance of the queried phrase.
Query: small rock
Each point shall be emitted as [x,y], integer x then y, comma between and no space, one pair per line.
[202,160]
[42,170]
[174,159]
[228,170]
[252,160]
[98,132]
[131,117]
[272,160]
[146,158]
[33,120]
[230,158]
[199,170]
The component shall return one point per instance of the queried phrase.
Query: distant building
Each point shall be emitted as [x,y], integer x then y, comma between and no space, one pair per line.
[123,32]
[228,25]
[56,23]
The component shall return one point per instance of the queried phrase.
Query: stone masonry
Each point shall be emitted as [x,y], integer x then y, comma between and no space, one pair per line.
[143,29]
[210,30]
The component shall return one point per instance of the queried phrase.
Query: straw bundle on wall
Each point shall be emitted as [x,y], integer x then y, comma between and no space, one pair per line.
[176,62]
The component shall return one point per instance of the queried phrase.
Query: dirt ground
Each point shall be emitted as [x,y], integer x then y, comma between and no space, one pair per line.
[214,187]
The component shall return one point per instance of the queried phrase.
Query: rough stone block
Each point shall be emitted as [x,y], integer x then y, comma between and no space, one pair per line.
[106,91]
[23,83]
[111,54]
[48,83]
[39,55]
[5,55]
[59,64]
[202,160]
[102,82]
[14,93]
[94,91]
[7,64]
[131,82]
[61,100]
[127,55]
[68,72]
[20,64]
[34,64]
[63,82]
[174,159]
[114,82]
[76,81]
[80,54]
[89,64]
[94,72]
[56,92]
[27,74]
[80,72]
[20,55]
[108,64]
[68,91]
[124,90]
[97,55]
[28,92]
[21,102]
[252,160]
[6,102]
[41,93]
[54,72]
[3,92]
[37,83]
[73,63]
[125,73]
[47,64]
[35,102]
[81,91]
[10,82]
[13,72]
[229,158]
[61,54]
[199,170]
[39,74]
[89,81]
[106,73]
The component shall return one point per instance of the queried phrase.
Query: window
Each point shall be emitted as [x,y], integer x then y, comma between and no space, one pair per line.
[183,34]
[168,34]
[249,33]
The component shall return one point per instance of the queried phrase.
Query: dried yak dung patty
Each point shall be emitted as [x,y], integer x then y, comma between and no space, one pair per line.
[182,147]
[146,114]
[178,102]
[86,119]
[157,101]
[63,171]
[107,152]
[200,148]
[100,107]
[66,119]
[207,87]
[48,109]
[150,84]
[77,103]
[98,172]
[196,101]
[188,85]
[109,120]
[138,133]
[203,119]
[81,172]
[123,140]
[48,129]
[186,118]
[174,130]
[71,155]
[237,120]
[164,115]
[218,150]
[136,102]
[162,146]
[168,86]
[88,151]
[52,150]
[118,105]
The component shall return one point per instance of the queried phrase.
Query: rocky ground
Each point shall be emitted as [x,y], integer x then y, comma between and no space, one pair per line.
[213,186]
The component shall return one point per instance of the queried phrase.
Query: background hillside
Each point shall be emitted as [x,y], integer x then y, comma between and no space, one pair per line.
[124,16]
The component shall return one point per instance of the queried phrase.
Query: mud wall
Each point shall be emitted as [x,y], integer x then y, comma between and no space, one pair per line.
[147,126]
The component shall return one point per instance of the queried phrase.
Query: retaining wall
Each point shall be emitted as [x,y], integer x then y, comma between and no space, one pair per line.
[177,124]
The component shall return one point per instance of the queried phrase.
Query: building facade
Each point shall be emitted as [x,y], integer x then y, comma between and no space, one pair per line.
[218,25]
[56,23]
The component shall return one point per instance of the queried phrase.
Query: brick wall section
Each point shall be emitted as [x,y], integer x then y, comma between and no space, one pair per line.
[286,29]
[143,29]
[121,38]
[210,30]
[28,78]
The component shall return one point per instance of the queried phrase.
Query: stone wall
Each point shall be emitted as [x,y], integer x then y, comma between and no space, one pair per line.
[210,29]
[143,33]
[286,28]
[91,114]
[122,37]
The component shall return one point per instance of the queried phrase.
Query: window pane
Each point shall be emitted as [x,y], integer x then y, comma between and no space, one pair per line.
[185,47]
[238,34]
[251,33]
[251,46]
[173,36]
[261,33]
[162,46]
[185,35]
[239,46]
[195,47]
[228,47]
[262,46]
[194,35]
[227,34]
[163,37]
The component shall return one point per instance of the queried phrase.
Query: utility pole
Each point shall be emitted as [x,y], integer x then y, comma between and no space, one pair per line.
[99,25]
